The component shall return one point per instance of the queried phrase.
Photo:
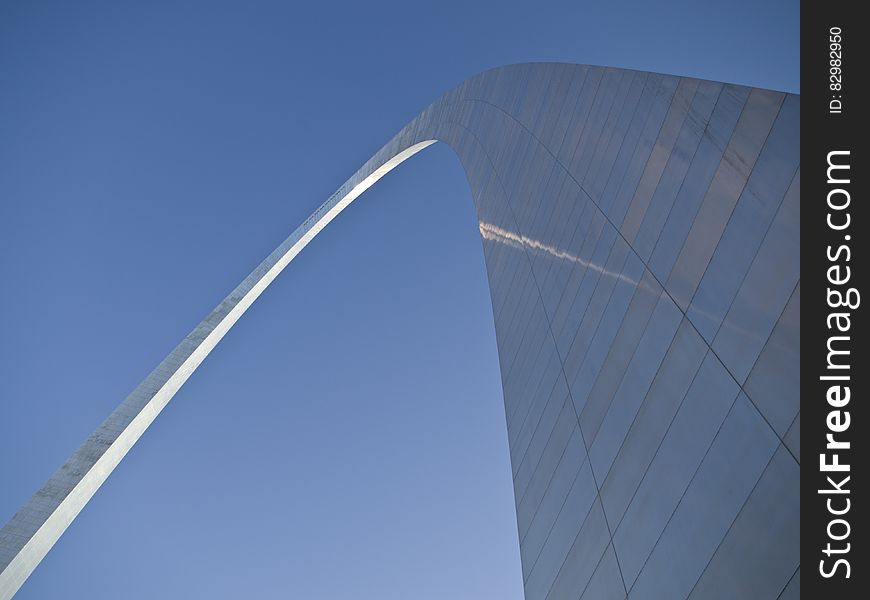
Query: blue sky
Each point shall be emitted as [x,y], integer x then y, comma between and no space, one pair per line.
[346,439]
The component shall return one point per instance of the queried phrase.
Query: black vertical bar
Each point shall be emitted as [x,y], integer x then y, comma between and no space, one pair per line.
[833,227]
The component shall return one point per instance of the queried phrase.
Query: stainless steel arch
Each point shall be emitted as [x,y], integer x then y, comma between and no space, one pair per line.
[630,224]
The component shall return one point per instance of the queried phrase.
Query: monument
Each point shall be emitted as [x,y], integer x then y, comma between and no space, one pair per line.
[641,239]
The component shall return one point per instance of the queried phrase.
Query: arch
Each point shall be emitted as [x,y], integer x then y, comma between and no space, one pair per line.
[630,224]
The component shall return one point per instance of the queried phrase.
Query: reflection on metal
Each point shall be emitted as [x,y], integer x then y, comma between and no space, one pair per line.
[488,231]
[639,232]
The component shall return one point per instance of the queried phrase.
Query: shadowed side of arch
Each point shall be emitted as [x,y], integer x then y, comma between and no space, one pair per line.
[639,235]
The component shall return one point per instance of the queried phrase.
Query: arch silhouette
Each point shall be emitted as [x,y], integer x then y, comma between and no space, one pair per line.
[639,240]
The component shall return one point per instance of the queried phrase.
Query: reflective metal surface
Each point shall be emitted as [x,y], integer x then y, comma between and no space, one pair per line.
[641,241]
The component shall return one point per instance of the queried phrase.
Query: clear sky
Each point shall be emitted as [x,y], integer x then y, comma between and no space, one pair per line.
[346,439]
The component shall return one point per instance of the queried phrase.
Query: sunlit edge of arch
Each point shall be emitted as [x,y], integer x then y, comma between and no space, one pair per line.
[205,336]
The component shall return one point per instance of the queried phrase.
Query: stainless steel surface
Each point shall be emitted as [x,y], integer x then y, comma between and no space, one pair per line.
[640,233]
